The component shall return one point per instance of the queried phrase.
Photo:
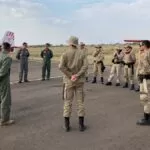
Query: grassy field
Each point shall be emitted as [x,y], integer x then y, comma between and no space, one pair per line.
[58,50]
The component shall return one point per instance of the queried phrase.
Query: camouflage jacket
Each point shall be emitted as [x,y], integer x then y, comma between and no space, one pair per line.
[144,63]
[72,62]
[98,56]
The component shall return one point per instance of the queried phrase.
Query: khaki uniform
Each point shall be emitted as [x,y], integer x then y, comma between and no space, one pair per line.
[129,60]
[144,69]
[97,66]
[85,51]
[73,62]
[116,67]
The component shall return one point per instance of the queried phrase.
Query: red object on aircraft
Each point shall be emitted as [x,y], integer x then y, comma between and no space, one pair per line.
[134,41]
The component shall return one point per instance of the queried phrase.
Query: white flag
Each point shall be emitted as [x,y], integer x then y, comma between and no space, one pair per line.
[9,37]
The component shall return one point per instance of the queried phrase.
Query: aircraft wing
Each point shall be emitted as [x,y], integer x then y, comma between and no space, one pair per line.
[134,41]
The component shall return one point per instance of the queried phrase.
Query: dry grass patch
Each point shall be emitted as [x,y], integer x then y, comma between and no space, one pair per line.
[58,50]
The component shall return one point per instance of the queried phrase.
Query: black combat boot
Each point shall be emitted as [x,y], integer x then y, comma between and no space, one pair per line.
[67,124]
[117,84]
[81,124]
[102,80]
[26,80]
[125,85]
[94,80]
[132,87]
[109,83]
[145,120]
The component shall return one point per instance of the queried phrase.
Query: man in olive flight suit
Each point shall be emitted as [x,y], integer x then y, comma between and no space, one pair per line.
[98,66]
[116,67]
[85,51]
[144,78]
[23,55]
[129,60]
[5,91]
[74,65]
[47,55]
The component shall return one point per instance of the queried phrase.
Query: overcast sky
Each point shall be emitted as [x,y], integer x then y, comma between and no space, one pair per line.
[93,21]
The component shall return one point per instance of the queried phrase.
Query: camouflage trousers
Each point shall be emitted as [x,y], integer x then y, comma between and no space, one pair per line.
[97,69]
[115,69]
[128,74]
[145,95]
[69,92]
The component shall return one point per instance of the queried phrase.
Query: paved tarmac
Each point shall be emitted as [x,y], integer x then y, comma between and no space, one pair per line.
[111,115]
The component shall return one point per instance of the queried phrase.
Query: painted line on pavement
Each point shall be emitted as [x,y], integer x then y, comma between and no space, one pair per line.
[16,82]
[57,77]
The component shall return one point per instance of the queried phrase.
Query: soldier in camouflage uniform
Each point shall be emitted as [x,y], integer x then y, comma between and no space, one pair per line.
[144,78]
[129,60]
[98,66]
[85,50]
[140,54]
[23,55]
[5,91]
[73,65]
[47,55]
[116,67]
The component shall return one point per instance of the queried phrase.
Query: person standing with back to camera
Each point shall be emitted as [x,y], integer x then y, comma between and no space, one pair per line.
[73,64]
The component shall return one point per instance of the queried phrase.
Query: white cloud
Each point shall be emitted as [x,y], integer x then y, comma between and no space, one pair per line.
[31,22]
[113,22]
[35,22]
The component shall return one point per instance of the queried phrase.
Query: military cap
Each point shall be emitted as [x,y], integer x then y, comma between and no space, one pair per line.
[73,41]
[128,46]
[98,46]
[82,44]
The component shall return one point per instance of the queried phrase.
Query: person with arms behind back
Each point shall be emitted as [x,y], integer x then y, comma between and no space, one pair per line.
[73,64]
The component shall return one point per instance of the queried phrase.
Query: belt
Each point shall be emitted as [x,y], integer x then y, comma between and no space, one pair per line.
[117,62]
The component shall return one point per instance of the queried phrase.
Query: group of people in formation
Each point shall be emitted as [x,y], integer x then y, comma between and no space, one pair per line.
[74,65]
[122,58]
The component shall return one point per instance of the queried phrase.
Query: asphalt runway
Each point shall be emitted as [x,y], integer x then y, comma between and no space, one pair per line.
[111,115]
